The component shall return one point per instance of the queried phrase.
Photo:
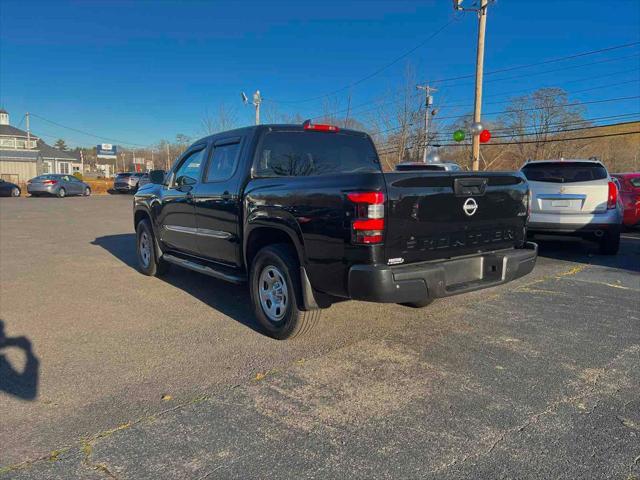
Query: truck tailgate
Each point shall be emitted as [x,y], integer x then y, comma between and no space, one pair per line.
[438,215]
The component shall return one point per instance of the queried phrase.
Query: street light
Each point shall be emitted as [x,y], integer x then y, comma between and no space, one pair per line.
[257,100]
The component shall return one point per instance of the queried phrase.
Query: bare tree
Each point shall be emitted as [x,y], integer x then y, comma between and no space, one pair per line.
[224,118]
[536,118]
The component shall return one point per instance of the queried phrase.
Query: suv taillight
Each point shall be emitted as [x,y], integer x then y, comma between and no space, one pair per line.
[612,199]
[368,225]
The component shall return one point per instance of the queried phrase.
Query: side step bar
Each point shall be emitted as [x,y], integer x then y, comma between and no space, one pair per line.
[197,267]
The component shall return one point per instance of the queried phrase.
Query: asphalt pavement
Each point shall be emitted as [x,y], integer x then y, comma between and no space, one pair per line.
[106,373]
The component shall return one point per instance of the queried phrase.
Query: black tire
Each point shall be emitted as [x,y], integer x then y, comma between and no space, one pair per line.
[148,261]
[292,321]
[61,193]
[15,192]
[420,304]
[610,242]
[87,192]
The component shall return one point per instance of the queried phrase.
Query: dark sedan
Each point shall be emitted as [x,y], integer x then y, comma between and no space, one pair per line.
[8,189]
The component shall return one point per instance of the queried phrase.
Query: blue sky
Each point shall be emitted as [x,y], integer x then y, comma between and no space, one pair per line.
[142,71]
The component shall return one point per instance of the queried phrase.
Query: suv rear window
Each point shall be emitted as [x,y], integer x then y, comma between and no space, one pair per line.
[297,154]
[564,172]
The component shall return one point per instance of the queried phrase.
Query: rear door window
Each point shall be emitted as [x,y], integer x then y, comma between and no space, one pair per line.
[564,172]
[301,154]
[223,161]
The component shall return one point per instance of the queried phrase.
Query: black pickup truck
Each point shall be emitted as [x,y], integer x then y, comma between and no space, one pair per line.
[305,215]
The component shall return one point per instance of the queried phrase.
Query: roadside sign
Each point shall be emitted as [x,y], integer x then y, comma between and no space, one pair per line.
[106,150]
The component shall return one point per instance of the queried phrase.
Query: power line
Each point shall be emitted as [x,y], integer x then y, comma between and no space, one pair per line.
[376,72]
[543,62]
[384,152]
[87,133]
[564,130]
[416,95]
[617,99]
[563,124]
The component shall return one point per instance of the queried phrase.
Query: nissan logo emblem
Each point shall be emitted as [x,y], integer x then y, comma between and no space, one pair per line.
[470,206]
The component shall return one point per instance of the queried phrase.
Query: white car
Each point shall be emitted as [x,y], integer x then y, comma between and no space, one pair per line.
[574,197]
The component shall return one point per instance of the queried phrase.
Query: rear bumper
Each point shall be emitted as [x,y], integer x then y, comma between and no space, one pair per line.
[36,188]
[574,222]
[571,228]
[417,282]
[124,187]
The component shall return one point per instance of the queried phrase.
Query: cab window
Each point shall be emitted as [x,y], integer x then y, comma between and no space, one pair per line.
[189,169]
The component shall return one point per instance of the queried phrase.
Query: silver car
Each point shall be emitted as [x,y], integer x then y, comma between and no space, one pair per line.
[575,197]
[58,185]
[127,181]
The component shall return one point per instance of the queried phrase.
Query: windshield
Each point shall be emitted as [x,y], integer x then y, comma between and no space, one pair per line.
[315,153]
[564,172]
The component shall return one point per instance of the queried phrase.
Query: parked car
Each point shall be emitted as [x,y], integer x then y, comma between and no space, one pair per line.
[305,215]
[8,189]
[58,185]
[145,178]
[630,196]
[413,166]
[575,197]
[127,181]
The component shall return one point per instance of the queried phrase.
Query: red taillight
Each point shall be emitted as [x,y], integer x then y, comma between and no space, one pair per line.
[612,199]
[372,198]
[374,224]
[49,182]
[319,127]
[368,225]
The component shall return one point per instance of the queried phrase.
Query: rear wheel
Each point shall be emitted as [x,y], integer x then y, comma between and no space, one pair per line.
[148,261]
[610,242]
[276,293]
[62,193]
[420,304]
[15,192]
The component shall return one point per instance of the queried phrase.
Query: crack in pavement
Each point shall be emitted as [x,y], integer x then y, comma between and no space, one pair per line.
[586,393]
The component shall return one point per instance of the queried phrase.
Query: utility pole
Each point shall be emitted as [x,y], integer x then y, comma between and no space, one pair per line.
[428,101]
[257,100]
[477,106]
[81,162]
[168,155]
[28,118]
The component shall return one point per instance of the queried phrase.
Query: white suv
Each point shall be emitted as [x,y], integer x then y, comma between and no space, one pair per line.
[574,197]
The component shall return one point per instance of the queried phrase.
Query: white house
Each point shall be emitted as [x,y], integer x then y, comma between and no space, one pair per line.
[24,155]
[19,155]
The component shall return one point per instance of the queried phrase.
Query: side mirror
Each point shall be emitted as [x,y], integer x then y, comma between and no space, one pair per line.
[156,176]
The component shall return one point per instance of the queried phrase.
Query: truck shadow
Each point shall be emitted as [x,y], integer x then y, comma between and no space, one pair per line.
[583,251]
[231,300]
[21,383]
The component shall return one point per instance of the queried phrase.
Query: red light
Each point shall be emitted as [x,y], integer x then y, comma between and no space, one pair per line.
[49,182]
[612,199]
[485,136]
[369,224]
[371,198]
[370,239]
[319,127]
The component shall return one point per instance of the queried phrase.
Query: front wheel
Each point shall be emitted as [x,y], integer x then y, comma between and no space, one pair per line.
[15,192]
[62,193]
[87,192]
[276,293]
[148,261]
